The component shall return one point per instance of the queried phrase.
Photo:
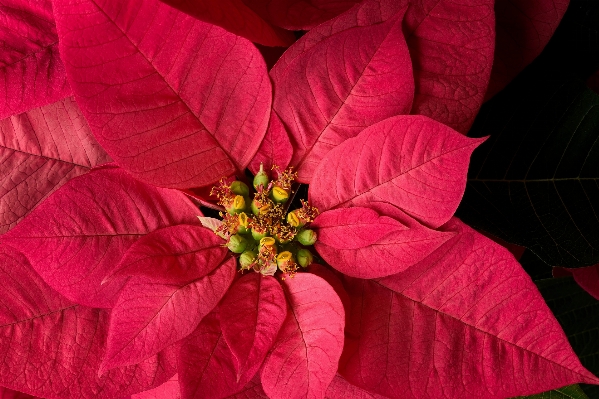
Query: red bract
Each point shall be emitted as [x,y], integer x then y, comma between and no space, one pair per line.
[412,162]
[524,27]
[252,314]
[304,359]
[41,150]
[452,317]
[111,287]
[586,277]
[53,347]
[360,243]
[451,44]
[206,355]
[32,72]
[299,14]
[341,77]
[236,17]
[168,390]
[150,316]
[76,237]
[276,148]
[159,112]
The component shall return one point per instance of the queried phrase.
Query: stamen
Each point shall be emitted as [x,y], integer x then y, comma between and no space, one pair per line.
[223,193]
[307,213]
[284,178]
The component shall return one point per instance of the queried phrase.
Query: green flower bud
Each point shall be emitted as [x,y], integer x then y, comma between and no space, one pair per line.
[304,257]
[260,210]
[280,240]
[306,237]
[237,243]
[268,241]
[279,195]
[283,259]
[240,188]
[258,233]
[255,208]
[261,178]
[294,220]
[243,223]
[237,206]
[247,259]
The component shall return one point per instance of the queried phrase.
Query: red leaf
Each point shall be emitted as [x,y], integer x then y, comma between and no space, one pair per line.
[150,316]
[354,228]
[236,17]
[251,315]
[6,393]
[52,347]
[515,249]
[586,277]
[206,364]
[275,149]
[40,150]
[341,389]
[452,45]
[524,27]
[252,390]
[76,237]
[168,390]
[465,322]
[303,361]
[360,243]
[176,102]
[341,77]
[329,276]
[31,71]
[172,255]
[299,14]
[422,170]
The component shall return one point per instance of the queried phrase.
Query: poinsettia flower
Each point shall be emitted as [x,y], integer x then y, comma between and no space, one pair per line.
[117,267]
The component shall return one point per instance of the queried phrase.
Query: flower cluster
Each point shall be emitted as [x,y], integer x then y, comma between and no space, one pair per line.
[262,230]
[119,113]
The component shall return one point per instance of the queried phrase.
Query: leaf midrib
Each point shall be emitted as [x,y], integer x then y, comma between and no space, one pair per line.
[534,180]
[463,322]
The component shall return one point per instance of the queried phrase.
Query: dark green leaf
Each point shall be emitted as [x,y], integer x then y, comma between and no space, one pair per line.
[569,392]
[534,266]
[535,181]
[574,48]
[578,314]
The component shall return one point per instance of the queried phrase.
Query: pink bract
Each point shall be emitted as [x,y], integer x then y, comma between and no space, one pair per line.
[44,148]
[150,316]
[252,314]
[65,365]
[299,14]
[459,300]
[112,288]
[159,113]
[337,80]
[236,17]
[524,27]
[451,44]
[303,361]
[33,73]
[77,236]
[413,162]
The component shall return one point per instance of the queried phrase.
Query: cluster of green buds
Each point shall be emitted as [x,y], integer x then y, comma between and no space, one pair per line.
[266,237]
